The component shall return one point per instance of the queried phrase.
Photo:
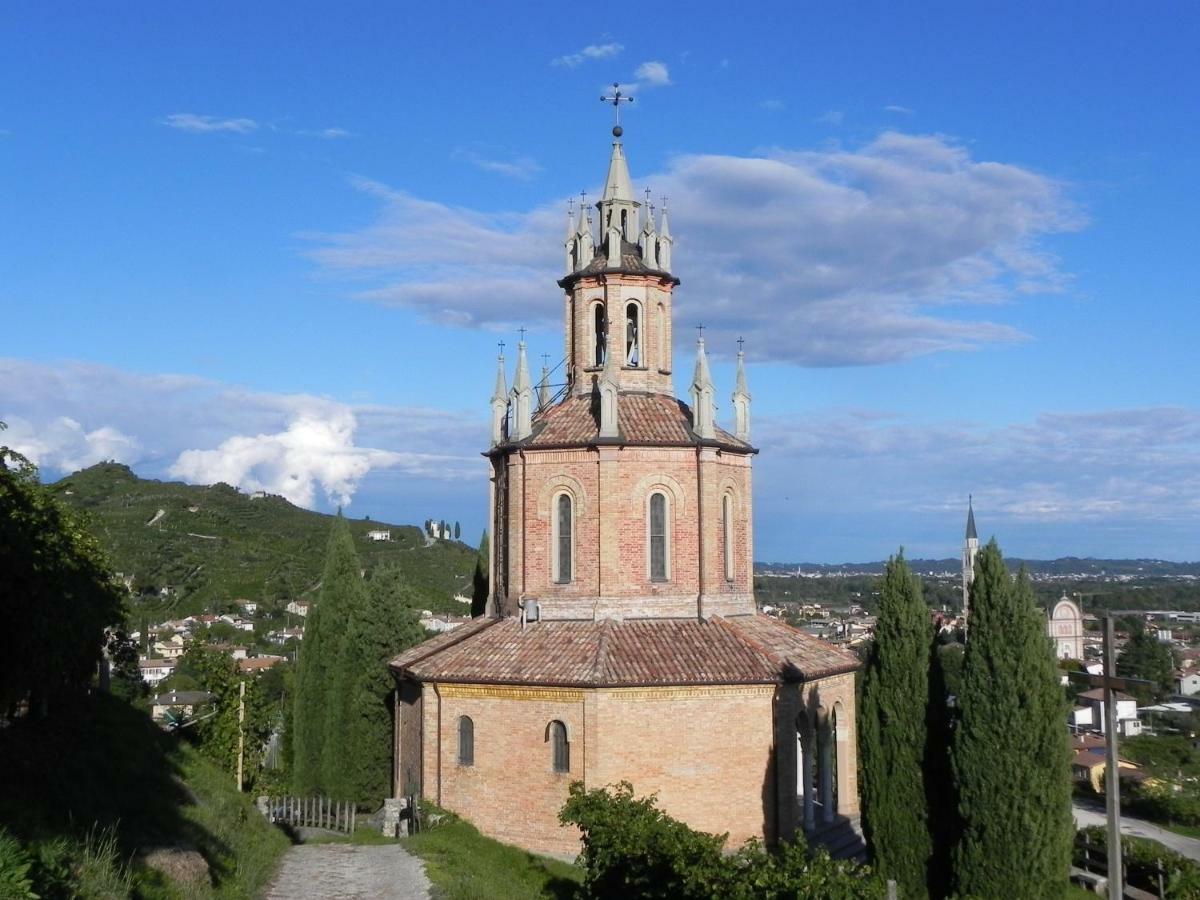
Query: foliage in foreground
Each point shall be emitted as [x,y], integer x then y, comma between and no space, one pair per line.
[1142,857]
[893,734]
[1010,751]
[465,865]
[632,849]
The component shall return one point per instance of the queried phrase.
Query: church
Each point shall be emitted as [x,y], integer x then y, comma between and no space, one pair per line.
[622,641]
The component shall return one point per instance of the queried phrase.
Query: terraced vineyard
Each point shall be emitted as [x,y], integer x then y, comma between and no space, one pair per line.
[211,545]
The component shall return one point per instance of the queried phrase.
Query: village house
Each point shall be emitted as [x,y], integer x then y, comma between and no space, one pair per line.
[1187,682]
[155,670]
[621,639]
[256,665]
[178,703]
[249,607]
[283,635]
[171,648]
[299,607]
[1089,715]
[379,535]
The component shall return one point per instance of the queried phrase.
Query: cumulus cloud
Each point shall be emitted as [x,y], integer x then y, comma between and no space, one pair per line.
[328,134]
[206,124]
[833,117]
[853,256]
[899,110]
[306,448]
[652,74]
[590,52]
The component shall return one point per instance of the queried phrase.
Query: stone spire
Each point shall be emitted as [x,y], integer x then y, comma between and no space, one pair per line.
[703,411]
[741,399]
[499,401]
[971,533]
[608,387]
[618,208]
[543,392]
[522,397]
[570,244]
[970,551]
[665,241]
[584,240]
[649,241]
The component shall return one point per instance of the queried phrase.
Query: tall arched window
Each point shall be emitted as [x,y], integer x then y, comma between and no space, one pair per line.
[599,334]
[633,335]
[727,534]
[659,564]
[564,533]
[466,741]
[556,734]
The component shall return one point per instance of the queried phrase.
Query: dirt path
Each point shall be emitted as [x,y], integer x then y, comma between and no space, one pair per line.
[349,872]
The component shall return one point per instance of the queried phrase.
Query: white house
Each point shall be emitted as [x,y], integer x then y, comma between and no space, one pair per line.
[379,535]
[1187,682]
[249,607]
[1128,723]
[155,670]
[299,607]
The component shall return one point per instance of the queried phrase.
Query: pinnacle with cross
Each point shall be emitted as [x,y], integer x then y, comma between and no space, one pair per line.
[616,100]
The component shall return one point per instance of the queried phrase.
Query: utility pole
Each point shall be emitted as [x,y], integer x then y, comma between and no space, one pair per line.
[1112,778]
[241,731]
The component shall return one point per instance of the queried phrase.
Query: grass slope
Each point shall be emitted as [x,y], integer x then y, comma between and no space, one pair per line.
[233,546]
[465,865]
[105,765]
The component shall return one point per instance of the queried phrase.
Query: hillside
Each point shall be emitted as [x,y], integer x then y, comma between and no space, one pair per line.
[1066,565]
[210,545]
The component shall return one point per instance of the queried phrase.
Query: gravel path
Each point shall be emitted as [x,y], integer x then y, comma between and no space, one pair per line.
[349,872]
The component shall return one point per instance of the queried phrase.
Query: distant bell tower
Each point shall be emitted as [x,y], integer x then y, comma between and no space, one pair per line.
[970,551]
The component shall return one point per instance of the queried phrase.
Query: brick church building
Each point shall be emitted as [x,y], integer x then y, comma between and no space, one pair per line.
[622,640]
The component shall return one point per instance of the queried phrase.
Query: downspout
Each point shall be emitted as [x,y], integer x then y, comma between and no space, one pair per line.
[438,694]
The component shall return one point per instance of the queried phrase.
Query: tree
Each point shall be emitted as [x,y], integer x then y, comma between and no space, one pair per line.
[892,734]
[1011,751]
[57,592]
[318,739]
[386,624]
[457,531]
[479,581]
[1147,657]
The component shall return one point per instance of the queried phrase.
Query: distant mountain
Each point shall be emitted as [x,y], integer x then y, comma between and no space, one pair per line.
[209,545]
[1067,565]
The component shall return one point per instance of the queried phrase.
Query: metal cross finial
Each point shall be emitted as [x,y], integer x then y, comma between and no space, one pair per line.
[501,344]
[545,360]
[664,201]
[700,331]
[522,330]
[647,196]
[741,342]
[616,100]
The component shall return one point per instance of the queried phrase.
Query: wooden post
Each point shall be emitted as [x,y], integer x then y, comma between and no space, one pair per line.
[241,731]
[891,889]
[1111,775]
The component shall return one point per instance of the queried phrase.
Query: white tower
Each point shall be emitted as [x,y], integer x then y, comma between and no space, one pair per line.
[970,551]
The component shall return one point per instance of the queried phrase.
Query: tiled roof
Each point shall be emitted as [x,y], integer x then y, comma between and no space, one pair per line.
[642,418]
[1098,694]
[631,263]
[737,650]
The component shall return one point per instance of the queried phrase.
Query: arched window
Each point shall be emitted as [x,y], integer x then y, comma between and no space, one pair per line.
[599,333]
[466,741]
[564,528]
[633,335]
[556,734]
[659,562]
[624,224]
[727,534]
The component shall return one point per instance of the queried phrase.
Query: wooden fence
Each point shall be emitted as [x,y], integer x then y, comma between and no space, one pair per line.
[1092,856]
[312,812]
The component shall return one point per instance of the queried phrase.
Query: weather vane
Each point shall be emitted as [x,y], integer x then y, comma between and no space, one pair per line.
[616,100]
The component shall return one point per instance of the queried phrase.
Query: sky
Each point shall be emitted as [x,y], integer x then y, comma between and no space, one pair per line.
[276,245]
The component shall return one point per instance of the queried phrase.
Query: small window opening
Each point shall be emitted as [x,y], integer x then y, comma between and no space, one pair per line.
[633,353]
[466,741]
[561,747]
[599,331]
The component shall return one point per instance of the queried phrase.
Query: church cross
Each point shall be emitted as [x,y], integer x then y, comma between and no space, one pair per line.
[700,331]
[616,100]
[741,342]
[501,345]
[522,330]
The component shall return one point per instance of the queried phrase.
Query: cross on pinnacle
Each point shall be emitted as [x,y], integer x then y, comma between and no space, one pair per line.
[501,345]
[700,331]
[741,342]
[616,100]
[522,330]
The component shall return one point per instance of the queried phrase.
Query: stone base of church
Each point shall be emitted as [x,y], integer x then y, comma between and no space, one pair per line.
[722,758]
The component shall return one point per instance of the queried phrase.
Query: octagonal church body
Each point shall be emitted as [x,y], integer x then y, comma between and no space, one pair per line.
[621,640]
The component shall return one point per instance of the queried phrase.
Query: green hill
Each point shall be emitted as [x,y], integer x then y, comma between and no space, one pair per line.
[210,545]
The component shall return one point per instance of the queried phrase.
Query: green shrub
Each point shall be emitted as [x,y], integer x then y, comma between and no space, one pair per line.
[633,850]
[15,866]
[1142,857]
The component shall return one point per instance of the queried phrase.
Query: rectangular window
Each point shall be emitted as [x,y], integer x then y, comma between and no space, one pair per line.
[658,537]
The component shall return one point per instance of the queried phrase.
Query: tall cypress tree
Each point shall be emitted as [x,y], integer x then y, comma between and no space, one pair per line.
[479,582]
[317,742]
[892,733]
[386,624]
[1011,747]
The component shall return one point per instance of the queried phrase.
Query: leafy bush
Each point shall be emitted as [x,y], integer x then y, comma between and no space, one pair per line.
[1142,857]
[15,865]
[632,849]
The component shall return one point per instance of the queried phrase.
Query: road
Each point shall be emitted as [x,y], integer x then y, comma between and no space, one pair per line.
[349,872]
[1094,815]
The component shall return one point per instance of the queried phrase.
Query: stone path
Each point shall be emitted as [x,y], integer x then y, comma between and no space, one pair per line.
[349,872]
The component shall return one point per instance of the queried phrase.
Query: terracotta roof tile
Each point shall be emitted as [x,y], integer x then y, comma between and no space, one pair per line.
[738,650]
[642,418]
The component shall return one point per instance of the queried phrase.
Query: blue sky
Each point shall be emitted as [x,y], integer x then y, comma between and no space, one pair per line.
[276,244]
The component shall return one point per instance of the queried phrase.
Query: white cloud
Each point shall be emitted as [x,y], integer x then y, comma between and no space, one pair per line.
[852,256]
[328,134]
[308,449]
[206,124]
[522,168]
[833,117]
[900,110]
[590,52]
[652,74]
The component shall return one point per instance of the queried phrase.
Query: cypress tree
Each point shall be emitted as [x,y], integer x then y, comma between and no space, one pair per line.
[892,733]
[479,582]
[1011,749]
[316,707]
[386,624]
